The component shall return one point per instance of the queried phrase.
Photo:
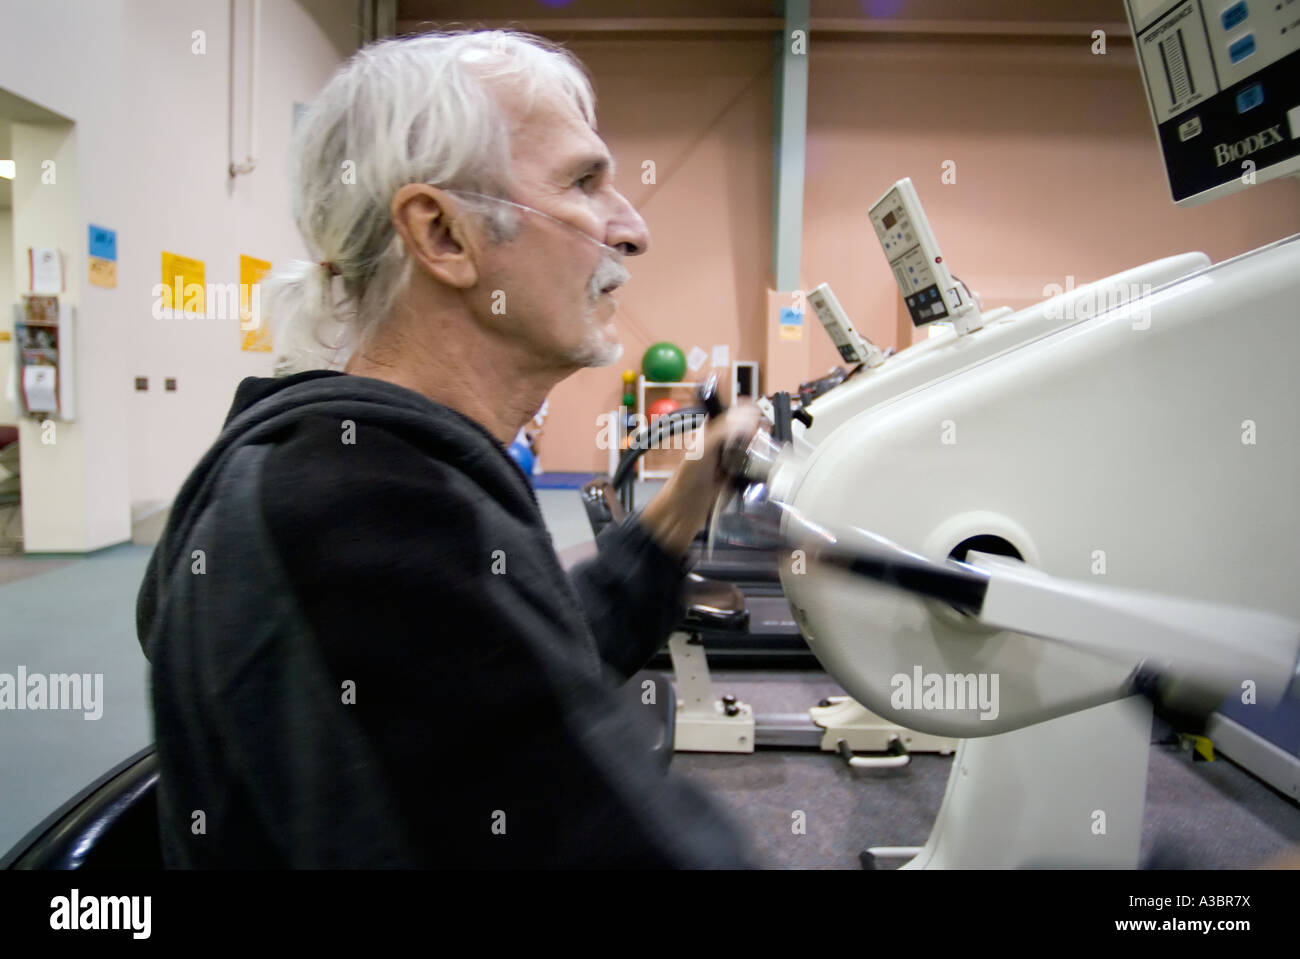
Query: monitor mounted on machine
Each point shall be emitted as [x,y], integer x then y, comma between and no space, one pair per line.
[1223,85]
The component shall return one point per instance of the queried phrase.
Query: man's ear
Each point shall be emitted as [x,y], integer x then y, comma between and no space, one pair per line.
[436,234]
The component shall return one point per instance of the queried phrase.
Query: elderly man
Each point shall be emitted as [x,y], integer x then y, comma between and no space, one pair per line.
[364,650]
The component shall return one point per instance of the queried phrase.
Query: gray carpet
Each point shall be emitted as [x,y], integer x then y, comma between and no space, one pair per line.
[845,810]
[16,567]
[73,616]
[1207,815]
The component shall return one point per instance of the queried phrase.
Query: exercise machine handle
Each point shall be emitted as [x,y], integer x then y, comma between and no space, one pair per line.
[708,397]
[781,430]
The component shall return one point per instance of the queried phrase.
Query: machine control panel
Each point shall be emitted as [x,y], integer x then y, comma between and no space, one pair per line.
[853,347]
[1223,83]
[919,269]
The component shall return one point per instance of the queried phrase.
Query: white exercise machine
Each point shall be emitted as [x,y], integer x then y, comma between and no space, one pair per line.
[1023,532]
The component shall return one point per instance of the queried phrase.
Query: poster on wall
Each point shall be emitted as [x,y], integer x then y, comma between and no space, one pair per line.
[102,250]
[791,324]
[254,334]
[44,271]
[183,289]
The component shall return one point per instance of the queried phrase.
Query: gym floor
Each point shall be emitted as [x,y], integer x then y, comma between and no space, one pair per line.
[61,611]
[1198,815]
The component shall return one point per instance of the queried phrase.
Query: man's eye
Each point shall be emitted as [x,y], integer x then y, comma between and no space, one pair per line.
[588,181]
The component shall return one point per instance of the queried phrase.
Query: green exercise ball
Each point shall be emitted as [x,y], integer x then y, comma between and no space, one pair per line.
[664,363]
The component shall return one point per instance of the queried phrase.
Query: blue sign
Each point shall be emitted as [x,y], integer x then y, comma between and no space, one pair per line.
[791,317]
[103,242]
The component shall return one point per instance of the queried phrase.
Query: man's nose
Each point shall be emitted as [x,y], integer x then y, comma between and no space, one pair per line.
[627,232]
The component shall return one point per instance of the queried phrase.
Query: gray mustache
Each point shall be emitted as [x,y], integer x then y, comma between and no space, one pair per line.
[609,271]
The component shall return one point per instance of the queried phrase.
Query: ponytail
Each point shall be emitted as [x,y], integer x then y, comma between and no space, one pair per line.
[309,333]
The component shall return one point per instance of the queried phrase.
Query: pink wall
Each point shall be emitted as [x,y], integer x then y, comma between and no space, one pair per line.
[1057,173]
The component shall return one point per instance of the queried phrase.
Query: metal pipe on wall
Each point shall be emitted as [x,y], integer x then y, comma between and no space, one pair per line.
[254,37]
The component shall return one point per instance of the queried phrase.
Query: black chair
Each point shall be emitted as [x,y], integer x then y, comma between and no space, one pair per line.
[111,824]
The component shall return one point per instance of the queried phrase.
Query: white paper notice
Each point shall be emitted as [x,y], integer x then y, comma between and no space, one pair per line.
[39,389]
[47,271]
[721,356]
[695,358]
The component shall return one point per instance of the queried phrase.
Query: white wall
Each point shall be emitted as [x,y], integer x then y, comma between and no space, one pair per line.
[69,496]
[149,160]
[7,295]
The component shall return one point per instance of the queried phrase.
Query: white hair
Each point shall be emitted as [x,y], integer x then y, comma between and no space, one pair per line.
[417,110]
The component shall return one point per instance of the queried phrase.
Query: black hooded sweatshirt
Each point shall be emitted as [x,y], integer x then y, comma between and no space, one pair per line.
[365,654]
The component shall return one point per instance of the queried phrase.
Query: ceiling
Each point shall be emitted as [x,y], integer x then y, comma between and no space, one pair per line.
[1015,16]
[15,109]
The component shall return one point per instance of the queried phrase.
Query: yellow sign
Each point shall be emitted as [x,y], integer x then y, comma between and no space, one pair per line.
[103,272]
[791,332]
[254,332]
[183,284]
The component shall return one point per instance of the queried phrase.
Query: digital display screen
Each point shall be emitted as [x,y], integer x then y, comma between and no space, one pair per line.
[889,219]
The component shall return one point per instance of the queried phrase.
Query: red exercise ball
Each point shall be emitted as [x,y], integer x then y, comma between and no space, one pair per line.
[662,407]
